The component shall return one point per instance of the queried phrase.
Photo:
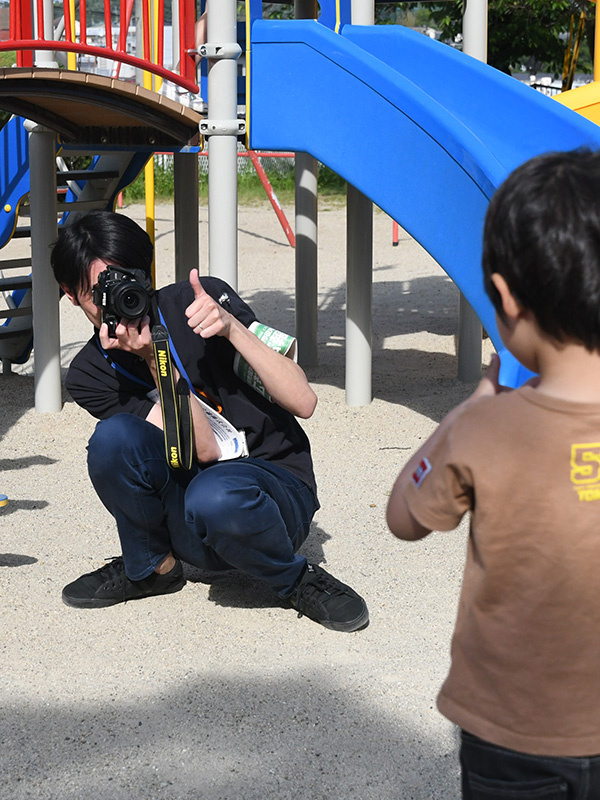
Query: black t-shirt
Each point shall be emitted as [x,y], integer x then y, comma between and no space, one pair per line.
[108,383]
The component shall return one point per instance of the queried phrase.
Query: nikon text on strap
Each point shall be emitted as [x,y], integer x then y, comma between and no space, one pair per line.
[175,404]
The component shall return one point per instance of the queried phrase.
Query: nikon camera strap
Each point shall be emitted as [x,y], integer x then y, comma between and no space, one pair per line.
[175,404]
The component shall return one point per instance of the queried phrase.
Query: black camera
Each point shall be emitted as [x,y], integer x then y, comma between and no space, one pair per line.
[122,293]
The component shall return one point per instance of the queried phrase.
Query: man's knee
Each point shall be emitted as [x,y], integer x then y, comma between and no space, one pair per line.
[115,440]
[222,501]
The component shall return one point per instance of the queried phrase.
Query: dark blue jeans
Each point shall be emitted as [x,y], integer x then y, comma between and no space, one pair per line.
[247,514]
[490,772]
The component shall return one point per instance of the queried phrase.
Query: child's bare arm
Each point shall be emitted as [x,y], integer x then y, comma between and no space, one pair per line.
[399,519]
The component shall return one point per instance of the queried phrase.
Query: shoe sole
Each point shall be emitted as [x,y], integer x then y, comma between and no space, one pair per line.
[96,602]
[349,627]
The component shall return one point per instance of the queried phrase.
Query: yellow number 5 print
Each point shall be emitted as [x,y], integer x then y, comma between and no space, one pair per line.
[585,463]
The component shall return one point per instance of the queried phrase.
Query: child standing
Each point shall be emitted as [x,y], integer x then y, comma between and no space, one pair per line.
[524,684]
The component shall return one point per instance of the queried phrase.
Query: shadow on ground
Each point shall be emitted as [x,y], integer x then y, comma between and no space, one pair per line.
[16,560]
[401,375]
[18,391]
[228,736]
[234,589]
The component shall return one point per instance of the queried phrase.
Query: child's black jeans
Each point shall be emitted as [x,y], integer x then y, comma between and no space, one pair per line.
[490,772]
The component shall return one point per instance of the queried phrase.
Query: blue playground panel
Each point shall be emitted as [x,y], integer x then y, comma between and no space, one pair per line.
[15,184]
[424,131]
[14,174]
[241,81]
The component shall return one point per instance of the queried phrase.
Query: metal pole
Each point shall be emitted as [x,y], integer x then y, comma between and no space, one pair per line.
[470,331]
[45,58]
[359,272]
[307,169]
[185,178]
[475,29]
[42,163]
[175,35]
[222,143]
[139,41]
[363,12]
[306,255]
[359,298]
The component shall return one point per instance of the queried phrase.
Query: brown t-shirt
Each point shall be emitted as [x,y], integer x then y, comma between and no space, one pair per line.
[525,670]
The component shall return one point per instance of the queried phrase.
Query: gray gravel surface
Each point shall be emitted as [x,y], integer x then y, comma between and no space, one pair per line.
[220,691]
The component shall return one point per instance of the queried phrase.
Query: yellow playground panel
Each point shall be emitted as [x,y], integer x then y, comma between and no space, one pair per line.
[585,100]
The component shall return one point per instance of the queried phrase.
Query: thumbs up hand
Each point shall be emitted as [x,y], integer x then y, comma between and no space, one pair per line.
[205,316]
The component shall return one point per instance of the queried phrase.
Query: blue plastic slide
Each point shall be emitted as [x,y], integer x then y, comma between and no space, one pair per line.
[424,131]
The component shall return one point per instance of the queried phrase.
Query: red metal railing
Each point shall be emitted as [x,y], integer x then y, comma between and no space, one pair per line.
[266,183]
[25,41]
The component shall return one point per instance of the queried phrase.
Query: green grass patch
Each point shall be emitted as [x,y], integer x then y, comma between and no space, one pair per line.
[8,58]
[250,189]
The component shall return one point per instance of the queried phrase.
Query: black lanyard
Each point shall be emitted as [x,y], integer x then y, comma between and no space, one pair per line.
[174,397]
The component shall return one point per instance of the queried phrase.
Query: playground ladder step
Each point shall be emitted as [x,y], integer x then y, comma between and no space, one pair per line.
[11,334]
[10,313]
[77,205]
[16,282]
[23,232]
[80,205]
[63,177]
[15,263]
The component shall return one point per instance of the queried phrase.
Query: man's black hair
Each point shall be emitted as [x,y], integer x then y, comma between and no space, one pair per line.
[542,234]
[99,234]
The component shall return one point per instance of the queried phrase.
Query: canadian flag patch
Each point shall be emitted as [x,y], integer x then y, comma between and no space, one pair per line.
[421,472]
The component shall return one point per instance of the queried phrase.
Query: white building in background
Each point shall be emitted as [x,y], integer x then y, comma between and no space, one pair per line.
[107,66]
[548,84]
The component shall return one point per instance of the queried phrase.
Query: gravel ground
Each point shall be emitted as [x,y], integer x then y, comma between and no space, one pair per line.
[219,691]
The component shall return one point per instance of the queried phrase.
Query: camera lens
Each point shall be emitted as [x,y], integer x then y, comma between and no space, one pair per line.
[130,301]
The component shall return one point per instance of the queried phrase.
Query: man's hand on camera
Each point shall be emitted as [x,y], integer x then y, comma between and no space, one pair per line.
[205,316]
[132,335]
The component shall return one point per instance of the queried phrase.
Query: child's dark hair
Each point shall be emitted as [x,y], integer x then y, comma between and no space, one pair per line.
[98,234]
[542,234]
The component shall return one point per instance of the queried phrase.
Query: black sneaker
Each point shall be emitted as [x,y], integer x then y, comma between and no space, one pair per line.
[109,585]
[330,602]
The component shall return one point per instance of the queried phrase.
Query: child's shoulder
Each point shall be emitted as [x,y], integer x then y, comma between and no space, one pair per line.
[518,415]
[490,420]
[505,403]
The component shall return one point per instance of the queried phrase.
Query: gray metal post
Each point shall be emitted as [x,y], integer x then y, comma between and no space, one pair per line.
[175,34]
[363,12]
[475,29]
[359,298]
[307,169]
[139,40]
[45,58]
[359,273]
[42,170]
[306,255]
[222,129]
[185,178]
[470,332]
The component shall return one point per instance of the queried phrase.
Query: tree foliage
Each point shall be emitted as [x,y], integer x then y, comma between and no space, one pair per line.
[531,32]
